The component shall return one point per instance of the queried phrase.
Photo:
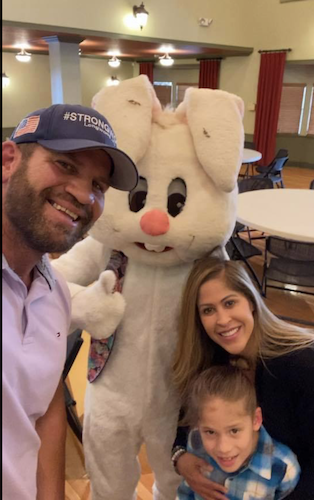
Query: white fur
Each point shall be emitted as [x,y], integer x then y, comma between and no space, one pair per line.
[133,400]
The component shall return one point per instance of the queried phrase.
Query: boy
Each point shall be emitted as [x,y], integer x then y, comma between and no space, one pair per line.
[228,434]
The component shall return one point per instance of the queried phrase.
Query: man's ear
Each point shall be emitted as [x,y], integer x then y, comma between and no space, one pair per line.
[257,419]
[11,157]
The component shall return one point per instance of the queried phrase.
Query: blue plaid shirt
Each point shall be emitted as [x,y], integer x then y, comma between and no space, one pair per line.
[271,473]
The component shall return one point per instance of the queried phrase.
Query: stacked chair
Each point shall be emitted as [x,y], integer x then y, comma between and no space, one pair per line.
[288,262]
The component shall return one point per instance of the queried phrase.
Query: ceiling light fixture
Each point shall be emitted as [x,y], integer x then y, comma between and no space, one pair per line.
[113,81]
[141,15]
[114,62]
[166,60]
[5,80]
[23,56]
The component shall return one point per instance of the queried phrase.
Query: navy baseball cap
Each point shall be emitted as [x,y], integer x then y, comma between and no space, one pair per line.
[71,127]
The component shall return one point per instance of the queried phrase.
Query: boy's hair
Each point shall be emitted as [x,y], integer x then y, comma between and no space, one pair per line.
[227,382]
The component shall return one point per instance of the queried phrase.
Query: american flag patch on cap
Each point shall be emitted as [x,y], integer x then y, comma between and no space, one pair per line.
[27,126]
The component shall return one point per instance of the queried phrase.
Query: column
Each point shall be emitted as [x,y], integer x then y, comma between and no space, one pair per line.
[65,72]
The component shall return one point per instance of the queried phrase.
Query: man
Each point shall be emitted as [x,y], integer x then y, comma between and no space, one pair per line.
[56,167]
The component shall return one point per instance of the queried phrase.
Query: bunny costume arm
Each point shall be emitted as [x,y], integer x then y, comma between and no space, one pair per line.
[95,307]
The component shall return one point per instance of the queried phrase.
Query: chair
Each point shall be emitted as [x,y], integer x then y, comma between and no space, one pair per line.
[251,184]
[239,249]
[74,343]
[254,183]
[262,169]
[292,264]
[274,171]
[312,184]
[236,247]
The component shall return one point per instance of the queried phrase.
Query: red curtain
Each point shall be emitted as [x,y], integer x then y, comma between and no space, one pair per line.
[209,73]
[268,104]
[147,68]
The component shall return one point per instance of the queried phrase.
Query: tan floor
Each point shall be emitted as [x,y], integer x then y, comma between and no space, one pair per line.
[281,302]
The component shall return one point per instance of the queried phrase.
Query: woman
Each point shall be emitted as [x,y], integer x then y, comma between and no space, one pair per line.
[223,319]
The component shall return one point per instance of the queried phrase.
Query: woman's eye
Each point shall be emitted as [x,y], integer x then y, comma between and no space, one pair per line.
[209,432]
[230,303]
[208,310]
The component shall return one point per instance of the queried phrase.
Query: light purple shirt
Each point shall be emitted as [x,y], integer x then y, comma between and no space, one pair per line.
[35,325]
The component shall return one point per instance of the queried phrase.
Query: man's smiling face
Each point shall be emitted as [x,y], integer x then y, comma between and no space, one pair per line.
[53,198]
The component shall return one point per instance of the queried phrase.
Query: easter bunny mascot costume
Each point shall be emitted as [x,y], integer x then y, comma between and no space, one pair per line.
[137,257]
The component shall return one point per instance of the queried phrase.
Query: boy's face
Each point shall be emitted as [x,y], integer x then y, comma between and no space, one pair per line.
[229,434]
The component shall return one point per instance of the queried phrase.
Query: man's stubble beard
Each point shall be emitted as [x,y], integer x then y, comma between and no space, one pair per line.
[24,209]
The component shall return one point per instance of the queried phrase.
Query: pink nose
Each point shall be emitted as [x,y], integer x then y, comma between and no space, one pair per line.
[155,222]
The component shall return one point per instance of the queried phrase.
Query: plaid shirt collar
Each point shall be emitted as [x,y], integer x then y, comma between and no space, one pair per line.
[265,449]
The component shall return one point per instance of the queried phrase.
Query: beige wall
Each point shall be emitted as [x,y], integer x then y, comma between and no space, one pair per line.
[168,19]
[261,24]
[285,25]
[95,73]
[235,22]
[30,88]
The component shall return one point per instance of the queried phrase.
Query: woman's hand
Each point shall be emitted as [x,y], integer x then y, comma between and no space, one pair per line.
[192,468]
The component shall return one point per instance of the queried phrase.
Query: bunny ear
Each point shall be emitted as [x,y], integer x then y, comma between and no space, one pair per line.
[215,121]
[129,108]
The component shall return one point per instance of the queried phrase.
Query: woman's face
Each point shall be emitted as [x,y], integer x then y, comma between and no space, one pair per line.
[226,315]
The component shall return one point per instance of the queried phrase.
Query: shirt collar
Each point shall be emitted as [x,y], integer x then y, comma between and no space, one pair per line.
[43,267]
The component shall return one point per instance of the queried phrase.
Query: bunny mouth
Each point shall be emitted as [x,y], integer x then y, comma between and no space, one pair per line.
[153,248]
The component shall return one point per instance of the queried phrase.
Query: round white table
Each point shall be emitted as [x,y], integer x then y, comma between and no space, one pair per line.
[250,155]
[288,213]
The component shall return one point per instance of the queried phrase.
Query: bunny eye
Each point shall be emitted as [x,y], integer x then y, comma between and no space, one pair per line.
[137,197]
[176,196]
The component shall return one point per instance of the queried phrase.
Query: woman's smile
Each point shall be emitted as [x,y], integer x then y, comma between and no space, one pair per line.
[231,332]
[226,315]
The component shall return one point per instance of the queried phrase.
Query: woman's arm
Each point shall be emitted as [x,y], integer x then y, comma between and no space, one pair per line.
[181,437]
[192,468]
